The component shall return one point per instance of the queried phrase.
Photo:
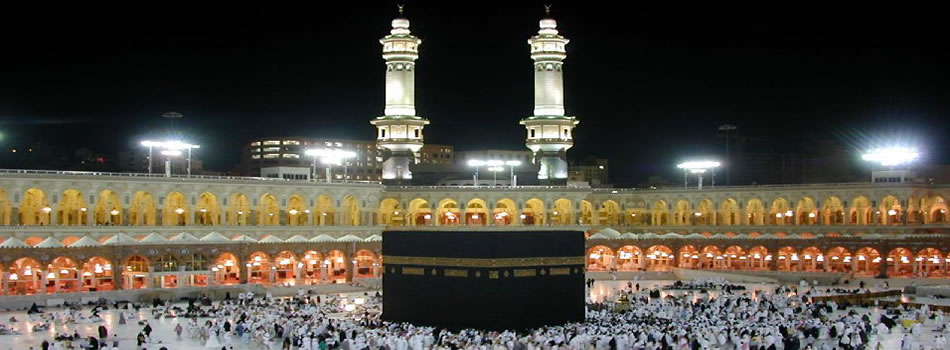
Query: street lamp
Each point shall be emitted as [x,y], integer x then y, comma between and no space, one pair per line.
[330,157]
[169,149]
[476,163]
[511,165]
[697,168]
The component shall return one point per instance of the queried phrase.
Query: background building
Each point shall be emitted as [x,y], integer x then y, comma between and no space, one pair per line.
[592,170]
[436,155]
[290,151]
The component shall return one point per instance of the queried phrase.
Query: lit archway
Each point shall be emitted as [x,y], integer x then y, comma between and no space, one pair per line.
[390,212]
[227,270]
[367,265]
[705,213]
[735,258]
[108,209]
[62,276]
[268,210]
[286,268]
[689,257]
[563,213]
[312,267]
[659,258]
[930,263]
[759,258]
[239,210]
[24,277]
[861,211]
[629,258]
[533,212]
[34,208]
[787,259]
[419,213]
[754,212]
[505,211]
[868,262]
[208,212]
[72,209]
[135,273]
[336,266]
[97,275]
[660,213]
[890,211]
[899,262]
[325,211]
[297,212]
[449,212]
[729,212]
[832,211]
[476,212]
[587,213]
[839,259]
[600,258]
[175,211]
[609,213]
[780,213]
[142,211]
[682,212]
[351,211]
[812,259]
[258,268]
[711,258]
[805,212]
[6,211]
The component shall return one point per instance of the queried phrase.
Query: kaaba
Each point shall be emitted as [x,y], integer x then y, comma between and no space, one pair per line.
[483,279]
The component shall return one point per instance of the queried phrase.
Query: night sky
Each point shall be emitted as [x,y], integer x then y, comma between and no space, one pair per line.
[650,85]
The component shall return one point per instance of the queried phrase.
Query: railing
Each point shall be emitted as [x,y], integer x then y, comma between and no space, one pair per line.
[174,176]
[711,188]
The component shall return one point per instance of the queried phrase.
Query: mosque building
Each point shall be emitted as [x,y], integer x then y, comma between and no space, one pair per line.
[79,232]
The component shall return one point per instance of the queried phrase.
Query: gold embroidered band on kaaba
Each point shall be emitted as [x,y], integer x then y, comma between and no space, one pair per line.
[467,262]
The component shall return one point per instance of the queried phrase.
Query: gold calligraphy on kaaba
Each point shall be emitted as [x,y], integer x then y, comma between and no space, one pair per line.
[455,273]
[413,271]
[525,273]
[471,262]
[560,271]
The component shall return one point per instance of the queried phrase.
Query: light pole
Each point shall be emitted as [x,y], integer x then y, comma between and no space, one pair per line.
[169,149]
[511,165]
[494,166]
[330,157]
[696,168]
[892,157]
[476,163]
[728,129]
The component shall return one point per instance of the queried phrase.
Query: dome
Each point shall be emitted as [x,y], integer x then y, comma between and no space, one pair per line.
[154,238]
[49,242]
[184,237]
[374,238]
[610,233]
[85,241]
[695,235]
[323,238]
[244,238]
[628,235]
[271,239]
[349,238]
[672,235]
[214,237]
[13,242]
[297,239]
[120,238]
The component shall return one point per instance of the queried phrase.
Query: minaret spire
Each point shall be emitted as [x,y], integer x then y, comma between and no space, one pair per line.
[549,129]
[400,6]
[399,130]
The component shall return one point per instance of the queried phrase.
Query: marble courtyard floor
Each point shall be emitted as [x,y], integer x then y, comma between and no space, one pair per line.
[163,329]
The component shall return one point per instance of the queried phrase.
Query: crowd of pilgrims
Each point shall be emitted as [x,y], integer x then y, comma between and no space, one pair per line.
[732,318]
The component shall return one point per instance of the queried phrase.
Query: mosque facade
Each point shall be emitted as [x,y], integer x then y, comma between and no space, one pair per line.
[76,232]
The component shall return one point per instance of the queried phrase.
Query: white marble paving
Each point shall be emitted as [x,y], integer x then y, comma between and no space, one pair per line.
[163,329]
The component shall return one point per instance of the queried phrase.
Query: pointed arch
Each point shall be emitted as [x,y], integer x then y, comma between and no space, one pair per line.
[297,212]
[6,210]
[208,212]
[563,213]
[587,213]
[729,212]
[682,212]
[833,211]
[780,213]
[705,213]
[175,212]
[390,212]
[660,213]
[420,213]
[34,208]
[108,209]
[268,210]
[351,211]
[325,211]
[505,211]
[861,211]
[239,210]
[72,208]
[805,212]
[142,211]
[890,211]
[449,212]
[754,212]
[533,212]
[476,212]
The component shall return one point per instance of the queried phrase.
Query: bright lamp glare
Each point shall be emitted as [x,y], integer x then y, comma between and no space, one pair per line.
[890,156]
[513,163]
[494,162]
[698,165]
[476,162]
[171,152]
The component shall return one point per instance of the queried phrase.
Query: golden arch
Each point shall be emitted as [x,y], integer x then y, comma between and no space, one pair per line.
[682,212]
[729,212]
[563,213]
[476,212]
[390,212]
[833,211]
[142,210]
[505,211]
[805,212]
[6,209]
[208,212]
[268,210]
[660,213]
[34,208]
[890,211]
[297,212]
[239,210]
[108,209]
[351,211]
[420,214]
[72,209]
[861,211]
[449,212]
[609,213]
[175,212]
[533,212]
[755,212]
[325,211]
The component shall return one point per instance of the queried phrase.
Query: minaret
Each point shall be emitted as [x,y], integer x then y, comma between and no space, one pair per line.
[549,130]
[399,130]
